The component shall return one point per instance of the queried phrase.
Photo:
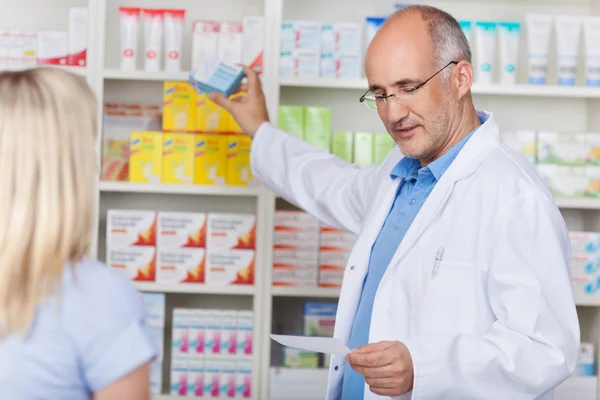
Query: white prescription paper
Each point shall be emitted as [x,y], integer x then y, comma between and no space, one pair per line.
[325,345]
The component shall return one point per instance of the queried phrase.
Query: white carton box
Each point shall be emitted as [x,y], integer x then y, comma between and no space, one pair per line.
[565,181]
[53,47]
[296,241]
[307,63]
[584,264]
[156,377]
[136,262]
[180,266]
[4,46]
[243,378]
[205,47]
[195,377]
[212,372]
[244,326]
[15,46]
[130,228]
[30,43]
[287,65]
[196,325]
[584,242]
[212,332]
[522,141]
[307,35]
[344,37]
[228,332]
[180,333]
[563,148]
[180,229]
[349,65]
[288,36]
[254,42]
[295,220]
[586,360]
[78,37]
[231,231]
[179,378]
[230,267]
[230,42]
[227,367]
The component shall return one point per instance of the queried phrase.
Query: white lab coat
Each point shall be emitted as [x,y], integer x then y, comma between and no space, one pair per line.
[498,321]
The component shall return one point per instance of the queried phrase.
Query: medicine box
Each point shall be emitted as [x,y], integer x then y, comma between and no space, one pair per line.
[239,172]
[178,158]
[593,140]
[307,35]
[181,266]
[295,221]
[291,120]
[228,322]
[288,36]
[231,231]
[130,228]
[317,127]
[287,63]
[223,78]
[297,241]
[290,272]
[253,42]
[244,325]
[78,35]
[179,376]
[586,360]
[210,117]
[179,333]
[363,148]
[212,377]
[564,181]
[584,242]
[52,48]
[178,230]
[585,264]
[179,107]
[243,378]
[230,42]
[227,367]
[196,330]
[145,157]
[306,63]
[30,43]
[319,318]
[295,358]
[205,45]
[332,265]
[195,377]
[156,377]
[562,148]
[332,239]
[138,263]
[230,267]
[341,37]
[383,144]
[212,332]
[342,145]
[523,142]
[210,159]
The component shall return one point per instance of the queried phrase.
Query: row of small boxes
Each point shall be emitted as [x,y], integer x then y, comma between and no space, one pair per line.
[307,253]
[313,125]
[185,159]
[211,353]
[181,247]
[154,305]
[585,249]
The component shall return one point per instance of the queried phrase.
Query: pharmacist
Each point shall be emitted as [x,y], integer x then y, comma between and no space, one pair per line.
[458,286]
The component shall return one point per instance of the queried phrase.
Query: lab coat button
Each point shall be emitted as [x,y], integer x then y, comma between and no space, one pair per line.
[352,268]
[336,368]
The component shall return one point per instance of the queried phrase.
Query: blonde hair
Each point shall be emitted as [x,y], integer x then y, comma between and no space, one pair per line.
[48,166]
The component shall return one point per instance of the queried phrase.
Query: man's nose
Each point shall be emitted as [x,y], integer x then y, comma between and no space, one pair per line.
[396,111]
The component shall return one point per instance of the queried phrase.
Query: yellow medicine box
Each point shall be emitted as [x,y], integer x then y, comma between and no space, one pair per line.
[178,158]
[210,118]
[210,159]
[179,107]
[238,161]
[145,157]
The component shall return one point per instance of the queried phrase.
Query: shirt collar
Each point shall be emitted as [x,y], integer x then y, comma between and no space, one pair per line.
[409,167]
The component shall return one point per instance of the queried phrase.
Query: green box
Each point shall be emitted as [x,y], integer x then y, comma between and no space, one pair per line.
[341,145]
[317,126]
[295,358]
[382,145]
[291,120]
[363,148]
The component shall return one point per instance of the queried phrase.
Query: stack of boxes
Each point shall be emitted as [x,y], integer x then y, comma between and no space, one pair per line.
[182,248]
[585,248]
[319,320]
[154,304]
[312,49]
[307,253]
[313,125]
[211,353]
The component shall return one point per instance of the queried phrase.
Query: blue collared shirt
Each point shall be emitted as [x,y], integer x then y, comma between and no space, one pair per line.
[418,183]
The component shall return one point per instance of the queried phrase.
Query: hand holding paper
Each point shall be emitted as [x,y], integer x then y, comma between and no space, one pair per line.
[325,345]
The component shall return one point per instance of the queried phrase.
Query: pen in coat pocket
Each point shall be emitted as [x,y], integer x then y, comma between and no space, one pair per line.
[436,264]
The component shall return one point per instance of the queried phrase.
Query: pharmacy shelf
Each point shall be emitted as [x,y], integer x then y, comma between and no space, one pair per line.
[170,397]
[504,90]
[19,67]
[313,292]
[240,290]
[206,190]
[141,75]
[578,204]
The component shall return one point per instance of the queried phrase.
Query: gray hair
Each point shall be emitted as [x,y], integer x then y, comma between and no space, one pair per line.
[447,36]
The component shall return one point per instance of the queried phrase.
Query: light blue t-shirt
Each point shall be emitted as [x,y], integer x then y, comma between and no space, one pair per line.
[418,183]
[95,335]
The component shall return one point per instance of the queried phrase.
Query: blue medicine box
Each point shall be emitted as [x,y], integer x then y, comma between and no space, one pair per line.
[224,79]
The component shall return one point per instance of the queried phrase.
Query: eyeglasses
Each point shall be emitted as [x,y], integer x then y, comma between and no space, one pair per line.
[377,100]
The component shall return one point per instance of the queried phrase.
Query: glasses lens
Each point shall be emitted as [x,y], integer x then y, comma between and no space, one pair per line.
[370,102]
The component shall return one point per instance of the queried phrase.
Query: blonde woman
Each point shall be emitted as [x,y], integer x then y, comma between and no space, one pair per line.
[70,328]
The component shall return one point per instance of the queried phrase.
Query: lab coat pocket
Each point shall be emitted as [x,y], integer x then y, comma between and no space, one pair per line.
[449,300]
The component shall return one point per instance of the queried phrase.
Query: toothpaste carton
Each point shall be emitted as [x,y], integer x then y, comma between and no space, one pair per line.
[212,332]
[181,266]
[317,127]
[179,333]
[179,377]
[243,378]
[342,145]
[231,231]
[319,318]
[228,332]
[130,228]
[179,107]
[78,37]
[239,172]
[227,367]
[178,230]
[195,378]
[145,157]
[253,42]
[210,159]
[230,267]
[244,324]
[138,263]
[178,158]
[196,331]
[383,144]
[291,120]
[212,379]
[231,40]
[363,148]
[205,47]
[584,242]
[52,47]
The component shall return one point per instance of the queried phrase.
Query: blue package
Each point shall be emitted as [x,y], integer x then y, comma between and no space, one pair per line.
[224,79]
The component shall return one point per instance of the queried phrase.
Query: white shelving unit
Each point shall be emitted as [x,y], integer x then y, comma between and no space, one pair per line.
[519,106]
